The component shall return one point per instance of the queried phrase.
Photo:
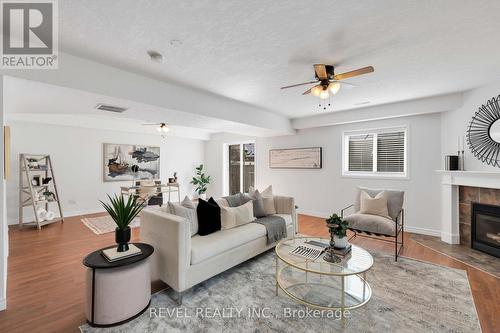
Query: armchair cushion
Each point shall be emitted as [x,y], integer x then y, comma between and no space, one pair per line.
[395,199]
[372,223]
[374,206]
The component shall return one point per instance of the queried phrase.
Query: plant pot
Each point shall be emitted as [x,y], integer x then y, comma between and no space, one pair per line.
[203,196]
[340,243]
[122,237]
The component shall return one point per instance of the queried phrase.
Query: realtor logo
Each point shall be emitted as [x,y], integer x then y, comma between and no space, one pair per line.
[29,34]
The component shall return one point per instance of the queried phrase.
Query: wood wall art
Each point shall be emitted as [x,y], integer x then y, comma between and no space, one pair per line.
[296,158]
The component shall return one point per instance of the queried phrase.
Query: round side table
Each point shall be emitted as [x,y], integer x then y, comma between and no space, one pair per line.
[117,291]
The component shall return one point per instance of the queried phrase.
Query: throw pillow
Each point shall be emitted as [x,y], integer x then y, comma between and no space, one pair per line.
[209,217]
[188,203]
[222,202]
[234,200]
[187,213]
[258,205]
[236,216]
[268,198]
[374,206]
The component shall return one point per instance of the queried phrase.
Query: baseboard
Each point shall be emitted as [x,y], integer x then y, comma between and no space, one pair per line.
[423,231]
[3,304]
[450,238]
[313,213]
[27,219]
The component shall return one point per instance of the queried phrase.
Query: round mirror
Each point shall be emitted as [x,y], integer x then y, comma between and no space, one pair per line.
[495,131]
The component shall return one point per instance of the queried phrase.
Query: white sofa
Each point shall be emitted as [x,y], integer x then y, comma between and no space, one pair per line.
[182,261]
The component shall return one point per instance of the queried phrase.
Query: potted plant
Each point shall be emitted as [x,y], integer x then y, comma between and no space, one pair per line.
[123,213]
[338,228]
[201,182]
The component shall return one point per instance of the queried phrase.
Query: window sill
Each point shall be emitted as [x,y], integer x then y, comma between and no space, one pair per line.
[375,176]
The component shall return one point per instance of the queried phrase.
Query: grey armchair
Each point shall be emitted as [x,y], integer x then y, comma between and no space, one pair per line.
[379,227]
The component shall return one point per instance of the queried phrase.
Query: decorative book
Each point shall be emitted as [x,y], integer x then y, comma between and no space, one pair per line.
[342,252]
[307,251]
[112,254]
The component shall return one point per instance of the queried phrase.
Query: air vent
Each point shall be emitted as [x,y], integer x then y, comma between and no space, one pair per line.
[110,108]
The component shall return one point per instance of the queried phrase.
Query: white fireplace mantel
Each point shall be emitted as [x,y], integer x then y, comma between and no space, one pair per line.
[450,181]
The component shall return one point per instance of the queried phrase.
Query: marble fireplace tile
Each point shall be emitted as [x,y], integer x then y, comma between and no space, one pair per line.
[464,211]
[467,194]
[489,196]
[465,233]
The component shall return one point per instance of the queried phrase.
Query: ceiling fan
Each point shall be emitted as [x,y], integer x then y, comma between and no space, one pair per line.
[328,83]
[162,128]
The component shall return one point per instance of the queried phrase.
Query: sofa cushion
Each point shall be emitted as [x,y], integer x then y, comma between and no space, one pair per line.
[372,223]
[233,200]
[267,198]
[236,216]
[208,213]
[189,214]
[203,248]
[373,206]
[395,199]
[188,203]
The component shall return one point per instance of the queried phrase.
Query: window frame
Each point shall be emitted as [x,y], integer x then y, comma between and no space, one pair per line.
[225,164]
[405,175]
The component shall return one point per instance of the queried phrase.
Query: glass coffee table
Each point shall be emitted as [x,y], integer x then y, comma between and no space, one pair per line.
[320,284]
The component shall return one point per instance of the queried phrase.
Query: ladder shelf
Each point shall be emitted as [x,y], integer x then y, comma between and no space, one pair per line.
[29,193]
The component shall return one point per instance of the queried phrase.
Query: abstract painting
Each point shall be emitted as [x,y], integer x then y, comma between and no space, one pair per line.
[128,162]
[296,158]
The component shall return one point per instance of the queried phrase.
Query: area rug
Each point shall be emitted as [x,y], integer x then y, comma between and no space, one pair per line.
[477,259]
[408,296]
[104,224]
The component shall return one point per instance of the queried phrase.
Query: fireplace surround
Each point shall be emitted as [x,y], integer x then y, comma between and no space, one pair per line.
[485,228]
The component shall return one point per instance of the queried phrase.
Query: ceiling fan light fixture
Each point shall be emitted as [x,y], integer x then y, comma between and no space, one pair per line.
[324,94]
[315,91]
[334,87]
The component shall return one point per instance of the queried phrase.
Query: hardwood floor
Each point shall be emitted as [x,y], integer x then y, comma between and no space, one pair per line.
[46,277]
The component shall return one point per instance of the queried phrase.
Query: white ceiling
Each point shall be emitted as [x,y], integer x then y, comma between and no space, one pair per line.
[246,50]
[32,101]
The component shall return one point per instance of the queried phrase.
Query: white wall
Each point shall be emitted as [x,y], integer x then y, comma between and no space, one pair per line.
[322,192]
[77,158]
[455,124]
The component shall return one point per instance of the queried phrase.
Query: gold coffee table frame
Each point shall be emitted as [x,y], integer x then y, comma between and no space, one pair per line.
[353,266]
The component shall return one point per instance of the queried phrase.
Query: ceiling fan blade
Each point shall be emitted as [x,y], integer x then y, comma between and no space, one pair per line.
[150,124]
[360,71]
[308,91]
[320,71]
[343,82]
[298,84]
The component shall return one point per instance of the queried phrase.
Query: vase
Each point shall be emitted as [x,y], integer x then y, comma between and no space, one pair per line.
[122,237]
[340,242]
[203,196]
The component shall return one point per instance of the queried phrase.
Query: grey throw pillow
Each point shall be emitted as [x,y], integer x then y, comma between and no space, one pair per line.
[259,209]
[188,203]
[188,213]
[234,200]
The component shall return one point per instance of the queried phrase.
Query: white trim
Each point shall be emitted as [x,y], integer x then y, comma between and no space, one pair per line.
[450,238]
[225,164]
[72,213]
[314,213]
[3,304]
[423,231]
[374,174]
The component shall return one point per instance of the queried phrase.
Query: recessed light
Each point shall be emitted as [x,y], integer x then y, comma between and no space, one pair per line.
[175,42]
[155,56]
[362,103]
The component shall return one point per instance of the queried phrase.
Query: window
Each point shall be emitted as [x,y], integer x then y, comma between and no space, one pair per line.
[375,153]
[240,167]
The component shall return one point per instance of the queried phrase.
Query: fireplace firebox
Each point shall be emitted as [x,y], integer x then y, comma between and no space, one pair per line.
[485,228]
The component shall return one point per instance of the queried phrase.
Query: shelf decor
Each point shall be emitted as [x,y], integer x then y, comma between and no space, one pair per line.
[483,134]
[35,192]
